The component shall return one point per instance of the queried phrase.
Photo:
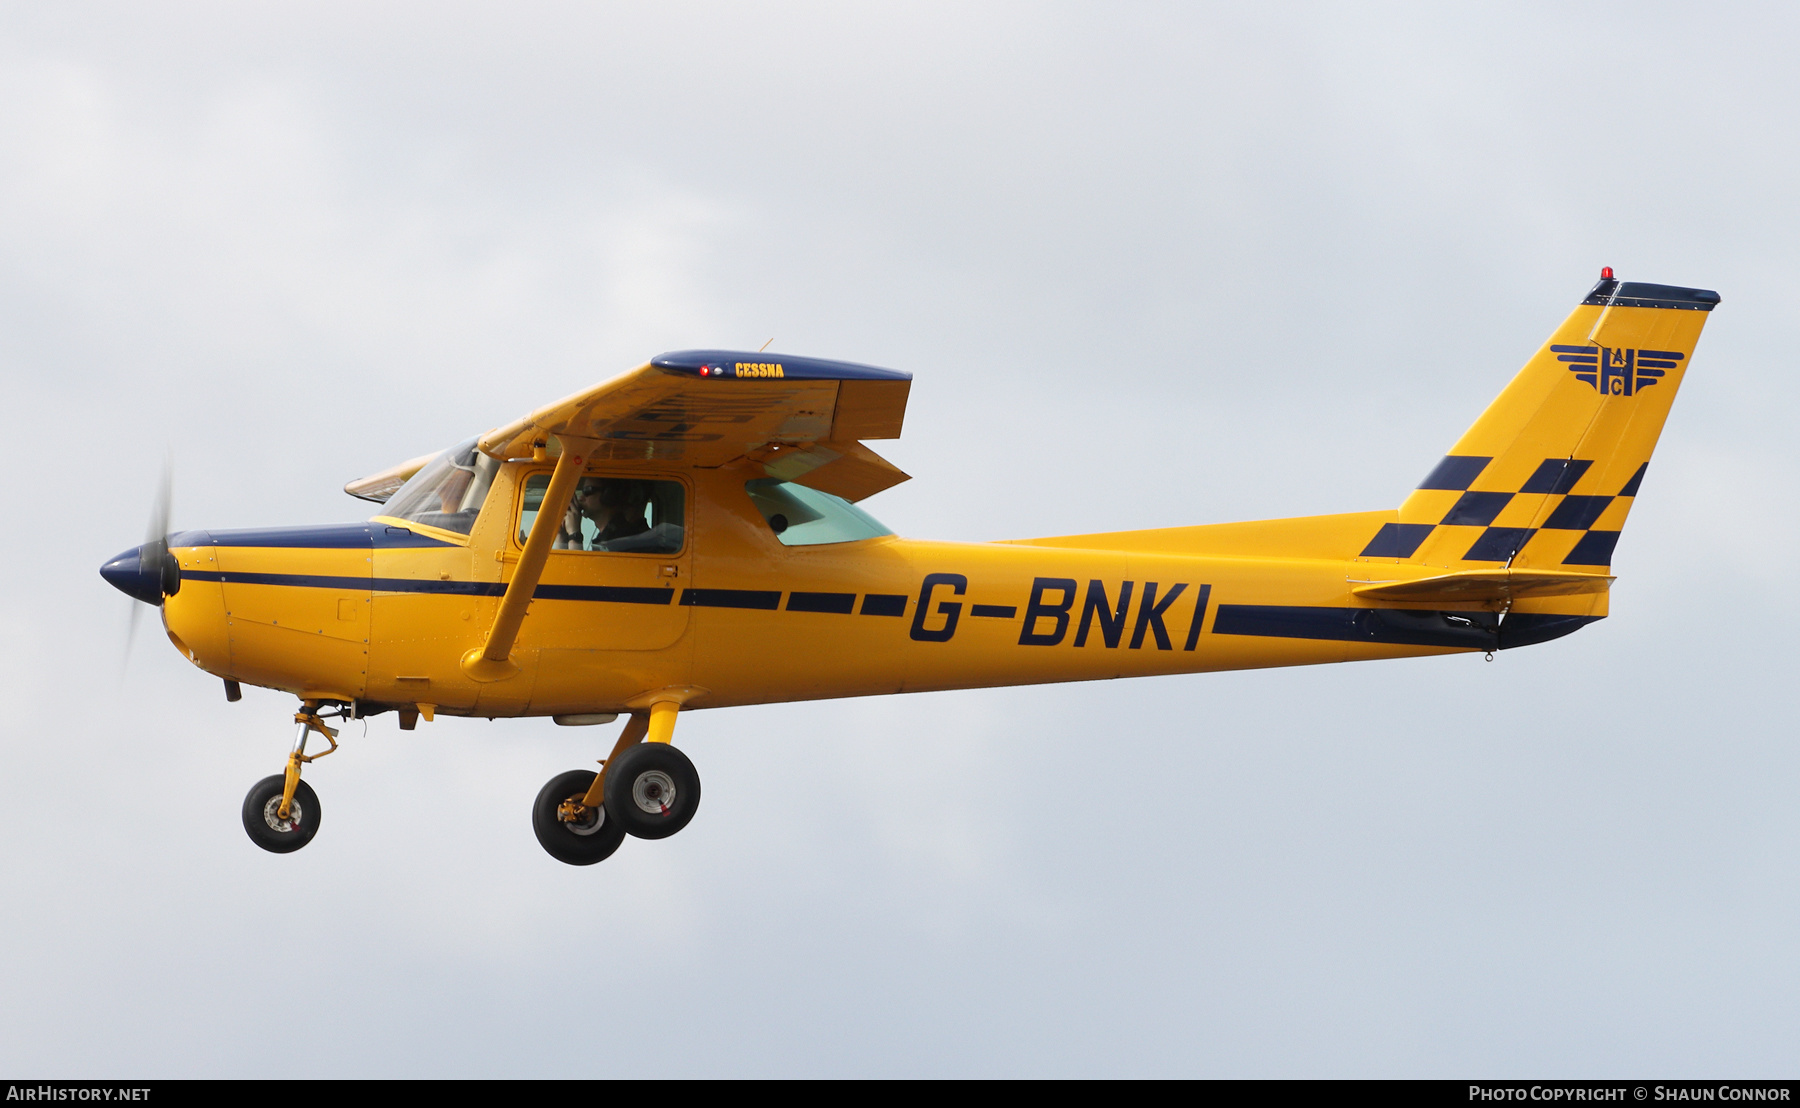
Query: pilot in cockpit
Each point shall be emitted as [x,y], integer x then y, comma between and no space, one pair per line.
[615,507]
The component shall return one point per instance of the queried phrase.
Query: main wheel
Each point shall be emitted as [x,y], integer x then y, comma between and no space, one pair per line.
[262,816]
[652,790]
[582,842]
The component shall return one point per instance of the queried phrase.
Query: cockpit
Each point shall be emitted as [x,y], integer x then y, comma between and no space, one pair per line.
[448,492]
[617,514]
[621,515]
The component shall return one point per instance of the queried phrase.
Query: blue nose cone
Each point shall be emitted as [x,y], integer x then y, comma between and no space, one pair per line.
[135,576]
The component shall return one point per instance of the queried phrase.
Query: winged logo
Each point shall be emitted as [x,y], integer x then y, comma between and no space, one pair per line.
[1617,372]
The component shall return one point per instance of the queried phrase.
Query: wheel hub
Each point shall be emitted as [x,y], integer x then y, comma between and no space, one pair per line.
[653,792]
[580,819]
[272,815]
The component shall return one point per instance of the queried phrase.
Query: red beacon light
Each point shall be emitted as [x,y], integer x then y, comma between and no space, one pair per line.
[1606,273]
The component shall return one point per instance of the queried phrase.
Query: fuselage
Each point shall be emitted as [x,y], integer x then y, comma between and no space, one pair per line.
[687,534]
[380,613]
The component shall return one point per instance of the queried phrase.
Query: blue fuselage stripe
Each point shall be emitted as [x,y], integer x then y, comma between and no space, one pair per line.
[754,599]
[331,536]
[611,594]
[1459,630]
[1464,630]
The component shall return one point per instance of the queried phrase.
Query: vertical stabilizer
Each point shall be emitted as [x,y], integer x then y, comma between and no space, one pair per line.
[1547,475]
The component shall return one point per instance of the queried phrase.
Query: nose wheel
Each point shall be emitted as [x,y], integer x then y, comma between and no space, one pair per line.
[268,828]
[281,813]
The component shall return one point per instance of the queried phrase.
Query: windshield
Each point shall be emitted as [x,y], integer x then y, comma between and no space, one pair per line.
[448,492]
[800,516]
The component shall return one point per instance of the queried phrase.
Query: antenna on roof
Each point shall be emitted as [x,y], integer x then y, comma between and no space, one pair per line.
[765,345]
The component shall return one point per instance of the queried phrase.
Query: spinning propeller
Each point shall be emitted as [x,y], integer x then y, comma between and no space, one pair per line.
[148,572]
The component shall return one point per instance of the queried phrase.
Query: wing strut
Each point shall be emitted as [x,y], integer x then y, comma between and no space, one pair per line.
[492,660]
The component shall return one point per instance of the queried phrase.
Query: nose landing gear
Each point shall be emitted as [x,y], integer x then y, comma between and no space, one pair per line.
[646,789]
[281,813]
[272,831]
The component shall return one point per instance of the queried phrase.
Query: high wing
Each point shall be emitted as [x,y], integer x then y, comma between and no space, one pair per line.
[378,487]
[802,419]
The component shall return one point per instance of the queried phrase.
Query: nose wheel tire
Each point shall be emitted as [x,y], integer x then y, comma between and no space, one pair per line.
[652,790]
[589,838]
[262,816]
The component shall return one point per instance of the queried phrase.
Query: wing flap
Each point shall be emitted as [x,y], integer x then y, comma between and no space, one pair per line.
[847,469]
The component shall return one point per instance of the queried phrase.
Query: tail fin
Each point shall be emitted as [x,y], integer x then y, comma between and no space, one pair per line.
[1546,476]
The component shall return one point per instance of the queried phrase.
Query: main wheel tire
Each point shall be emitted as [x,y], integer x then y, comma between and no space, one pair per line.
[652,790]
[579,843]
[263,822]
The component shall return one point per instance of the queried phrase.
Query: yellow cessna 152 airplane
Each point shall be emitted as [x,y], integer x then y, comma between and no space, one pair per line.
[685,535]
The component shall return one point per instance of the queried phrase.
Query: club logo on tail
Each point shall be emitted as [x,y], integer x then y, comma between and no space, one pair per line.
[1617,372]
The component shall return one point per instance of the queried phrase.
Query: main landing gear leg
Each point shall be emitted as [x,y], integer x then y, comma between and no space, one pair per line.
[651,787]
[645,788]
[281,813]
[569,818]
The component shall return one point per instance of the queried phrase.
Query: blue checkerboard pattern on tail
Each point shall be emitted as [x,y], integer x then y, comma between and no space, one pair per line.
[1554,477]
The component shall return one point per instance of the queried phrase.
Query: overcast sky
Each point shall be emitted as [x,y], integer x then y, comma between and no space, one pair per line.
[1150,265]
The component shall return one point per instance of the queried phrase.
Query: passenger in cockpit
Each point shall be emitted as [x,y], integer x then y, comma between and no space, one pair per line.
[456,484]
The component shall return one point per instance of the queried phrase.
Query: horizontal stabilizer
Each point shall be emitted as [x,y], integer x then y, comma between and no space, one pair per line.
[1486,584]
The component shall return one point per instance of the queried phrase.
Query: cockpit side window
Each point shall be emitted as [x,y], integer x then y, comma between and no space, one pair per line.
[620,515]
[802,516]
[448,492]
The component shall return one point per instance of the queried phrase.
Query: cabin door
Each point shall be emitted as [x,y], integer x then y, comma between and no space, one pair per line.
[617,566]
